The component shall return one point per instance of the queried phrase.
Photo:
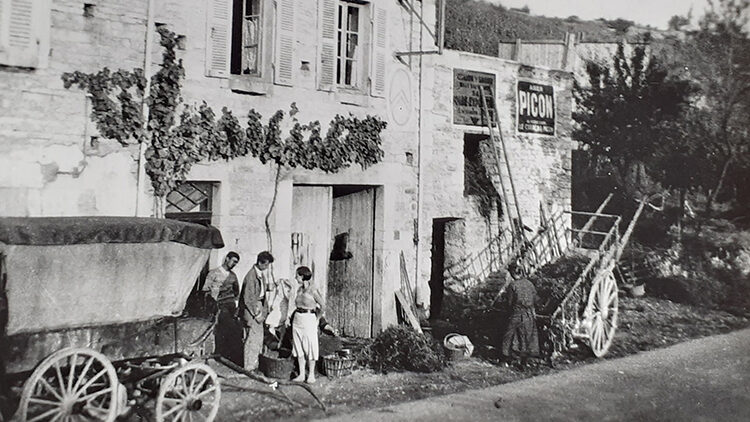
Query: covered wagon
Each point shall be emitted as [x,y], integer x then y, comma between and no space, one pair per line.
[91,318]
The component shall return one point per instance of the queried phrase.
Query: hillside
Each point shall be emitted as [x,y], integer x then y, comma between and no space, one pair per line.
[477,26]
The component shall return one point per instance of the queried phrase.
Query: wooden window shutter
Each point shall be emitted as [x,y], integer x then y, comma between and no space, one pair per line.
[21,28]
[285,40]
[327,11]
[379,52]
[218,44]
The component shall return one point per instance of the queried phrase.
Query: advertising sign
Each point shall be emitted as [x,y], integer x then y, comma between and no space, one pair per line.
[536,108]
[467,102]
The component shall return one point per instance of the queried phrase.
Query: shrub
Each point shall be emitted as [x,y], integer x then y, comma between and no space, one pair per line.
[400,348]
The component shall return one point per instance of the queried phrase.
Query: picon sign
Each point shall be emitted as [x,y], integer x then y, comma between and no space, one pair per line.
[535,105]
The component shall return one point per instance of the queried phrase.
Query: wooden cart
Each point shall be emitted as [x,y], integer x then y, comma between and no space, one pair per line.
[588,312]
[91,318]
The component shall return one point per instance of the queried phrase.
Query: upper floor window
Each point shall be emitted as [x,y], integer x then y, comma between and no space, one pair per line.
[247,37]
[352,47]
[239,40]
[251,35]
[348,57]
[24,32]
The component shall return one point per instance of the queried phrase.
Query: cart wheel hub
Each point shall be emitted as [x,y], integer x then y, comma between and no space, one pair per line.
[76,408]
[196,405]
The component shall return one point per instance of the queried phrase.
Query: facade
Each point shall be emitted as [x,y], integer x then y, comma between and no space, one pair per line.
[266,55]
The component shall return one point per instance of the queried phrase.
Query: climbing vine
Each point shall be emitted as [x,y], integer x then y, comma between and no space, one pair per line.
[179,135]
[348,140]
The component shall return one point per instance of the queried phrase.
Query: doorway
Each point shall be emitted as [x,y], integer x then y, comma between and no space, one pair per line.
[447,247]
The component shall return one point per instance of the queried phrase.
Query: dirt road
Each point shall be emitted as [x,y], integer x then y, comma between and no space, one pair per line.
[706,379]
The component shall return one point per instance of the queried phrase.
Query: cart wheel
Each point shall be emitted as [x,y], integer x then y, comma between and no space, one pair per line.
[602,310]
[191,393]
[71,384]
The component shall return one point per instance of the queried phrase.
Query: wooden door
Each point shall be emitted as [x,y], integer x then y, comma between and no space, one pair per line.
[350,274]
[311,232]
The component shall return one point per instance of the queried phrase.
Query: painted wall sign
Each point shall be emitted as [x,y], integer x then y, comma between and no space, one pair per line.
[400,97]
[536,108]
[467,102]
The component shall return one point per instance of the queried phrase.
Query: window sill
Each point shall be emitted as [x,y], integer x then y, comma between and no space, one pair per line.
[352,97]
[251,85]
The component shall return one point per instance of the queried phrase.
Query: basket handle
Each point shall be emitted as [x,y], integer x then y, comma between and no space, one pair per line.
[448,337]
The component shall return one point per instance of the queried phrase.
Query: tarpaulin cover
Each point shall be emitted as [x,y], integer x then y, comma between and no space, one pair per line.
[67,286]
[88,230]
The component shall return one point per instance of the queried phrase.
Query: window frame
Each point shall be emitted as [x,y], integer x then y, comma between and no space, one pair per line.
[257,83]
[259,36]
[343,34]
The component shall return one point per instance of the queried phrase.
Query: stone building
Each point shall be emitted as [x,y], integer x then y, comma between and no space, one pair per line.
[329,57]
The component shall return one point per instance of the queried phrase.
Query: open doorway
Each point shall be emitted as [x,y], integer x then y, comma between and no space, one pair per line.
[447,238]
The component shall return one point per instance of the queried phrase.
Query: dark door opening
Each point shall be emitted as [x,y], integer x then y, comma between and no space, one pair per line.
[437,281]
[447,247]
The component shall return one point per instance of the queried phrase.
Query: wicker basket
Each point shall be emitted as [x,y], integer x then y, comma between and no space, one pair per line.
[275,367]
[337,366]
[453,353]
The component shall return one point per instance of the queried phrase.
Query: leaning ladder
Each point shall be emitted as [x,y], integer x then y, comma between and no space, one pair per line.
[492,119]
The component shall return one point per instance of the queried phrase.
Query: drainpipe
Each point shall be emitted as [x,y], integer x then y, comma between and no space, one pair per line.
[140,199]
[418,285]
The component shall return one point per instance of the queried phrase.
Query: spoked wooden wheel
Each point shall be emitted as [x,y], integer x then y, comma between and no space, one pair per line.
[602,311]
[189,394]
[71,385]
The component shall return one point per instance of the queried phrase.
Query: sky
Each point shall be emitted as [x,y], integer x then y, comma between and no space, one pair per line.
[648,12]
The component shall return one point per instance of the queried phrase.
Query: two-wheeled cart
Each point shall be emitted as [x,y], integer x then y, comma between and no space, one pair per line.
[588,310]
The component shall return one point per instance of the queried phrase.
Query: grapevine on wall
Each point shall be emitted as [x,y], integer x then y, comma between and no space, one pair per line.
[179,135]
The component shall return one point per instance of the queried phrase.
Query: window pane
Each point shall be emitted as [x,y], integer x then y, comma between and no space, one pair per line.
[353,19]
[351,45]
[338,71]
[349,72]
[250,39]
[341,16]
[252,7]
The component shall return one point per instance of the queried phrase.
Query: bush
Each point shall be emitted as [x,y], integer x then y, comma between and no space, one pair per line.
[400,348]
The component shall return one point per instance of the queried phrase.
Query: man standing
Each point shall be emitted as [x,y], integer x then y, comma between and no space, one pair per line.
[253,309]
[224,287]
[521,337]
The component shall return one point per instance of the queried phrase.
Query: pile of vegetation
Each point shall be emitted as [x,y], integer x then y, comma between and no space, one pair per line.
[400,348]
[554,280]
[707,265]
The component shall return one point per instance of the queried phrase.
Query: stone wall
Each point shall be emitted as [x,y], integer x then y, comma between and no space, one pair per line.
[540,165]
[53,164]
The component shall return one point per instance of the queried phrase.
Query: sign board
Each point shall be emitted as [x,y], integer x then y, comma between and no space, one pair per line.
[467,102]
[535,107]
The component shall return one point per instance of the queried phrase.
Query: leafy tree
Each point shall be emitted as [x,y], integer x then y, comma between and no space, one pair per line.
[625,112]
[718,58]
[677,22]
[620,25]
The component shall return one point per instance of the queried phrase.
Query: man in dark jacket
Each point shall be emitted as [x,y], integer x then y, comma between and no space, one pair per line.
[253,307]
[521,338]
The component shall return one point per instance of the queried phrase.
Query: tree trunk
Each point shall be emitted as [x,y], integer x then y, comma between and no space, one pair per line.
[681,215]
[269,238]
[719,185]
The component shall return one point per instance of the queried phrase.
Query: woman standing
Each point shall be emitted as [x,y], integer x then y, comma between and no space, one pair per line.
[305,325]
